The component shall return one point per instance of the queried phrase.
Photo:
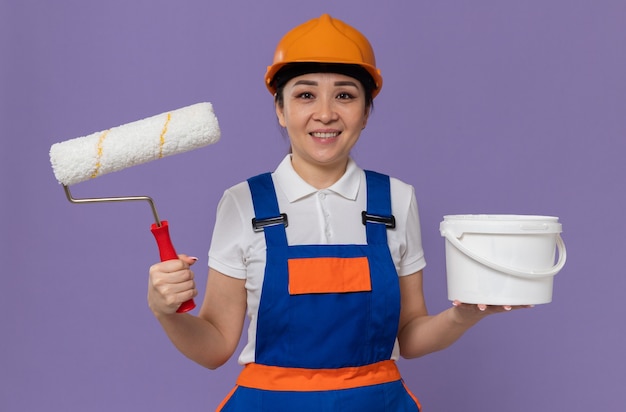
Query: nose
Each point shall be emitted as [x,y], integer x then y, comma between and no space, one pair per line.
[325,111]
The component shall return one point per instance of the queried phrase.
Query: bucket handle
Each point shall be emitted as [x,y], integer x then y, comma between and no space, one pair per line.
[512,271]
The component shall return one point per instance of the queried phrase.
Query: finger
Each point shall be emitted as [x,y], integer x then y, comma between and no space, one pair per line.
[180,277]
[171,289]
[162,280]
[190,260]
[174,289]
[173,301]
[514,307]
[169,266]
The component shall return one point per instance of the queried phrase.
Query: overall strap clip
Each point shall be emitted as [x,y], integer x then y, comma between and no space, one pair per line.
[259,224]
[388,221]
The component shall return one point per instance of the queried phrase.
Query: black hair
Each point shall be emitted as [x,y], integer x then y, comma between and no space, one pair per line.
[291,70]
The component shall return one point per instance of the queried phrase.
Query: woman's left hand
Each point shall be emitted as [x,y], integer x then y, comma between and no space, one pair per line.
[473,311]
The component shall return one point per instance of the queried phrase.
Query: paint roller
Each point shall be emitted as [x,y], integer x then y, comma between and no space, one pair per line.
[178,131]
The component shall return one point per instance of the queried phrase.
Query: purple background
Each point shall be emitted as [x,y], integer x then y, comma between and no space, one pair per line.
[488,107]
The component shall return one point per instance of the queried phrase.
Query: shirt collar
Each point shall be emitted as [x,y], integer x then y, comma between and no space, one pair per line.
[295,188]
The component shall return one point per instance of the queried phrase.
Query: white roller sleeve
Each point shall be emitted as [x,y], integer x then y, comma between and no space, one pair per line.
[178,131]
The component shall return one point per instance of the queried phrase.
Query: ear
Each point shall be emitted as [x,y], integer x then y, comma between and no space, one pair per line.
[366,117]
[280,114]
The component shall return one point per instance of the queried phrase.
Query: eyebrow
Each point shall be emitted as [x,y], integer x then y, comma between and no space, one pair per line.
[314,83]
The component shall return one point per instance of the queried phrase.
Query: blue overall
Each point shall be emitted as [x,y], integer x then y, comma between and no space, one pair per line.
[325,345]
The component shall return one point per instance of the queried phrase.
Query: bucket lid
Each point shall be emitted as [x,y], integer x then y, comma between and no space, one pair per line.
[499,224]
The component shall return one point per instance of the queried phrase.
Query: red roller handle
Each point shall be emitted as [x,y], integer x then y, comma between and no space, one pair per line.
[167,252]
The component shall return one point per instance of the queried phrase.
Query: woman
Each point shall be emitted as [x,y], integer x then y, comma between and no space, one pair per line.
[324,258]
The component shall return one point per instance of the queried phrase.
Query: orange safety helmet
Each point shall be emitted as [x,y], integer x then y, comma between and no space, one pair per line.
[324,40]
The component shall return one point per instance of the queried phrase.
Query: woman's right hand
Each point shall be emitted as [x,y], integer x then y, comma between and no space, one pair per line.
[170,284]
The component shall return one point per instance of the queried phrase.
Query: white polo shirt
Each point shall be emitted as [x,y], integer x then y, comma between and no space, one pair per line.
[327,216]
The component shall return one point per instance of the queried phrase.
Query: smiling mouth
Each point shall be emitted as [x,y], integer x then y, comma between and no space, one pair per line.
[325,135]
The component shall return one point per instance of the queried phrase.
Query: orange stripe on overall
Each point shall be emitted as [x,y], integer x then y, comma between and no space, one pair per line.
[275,378]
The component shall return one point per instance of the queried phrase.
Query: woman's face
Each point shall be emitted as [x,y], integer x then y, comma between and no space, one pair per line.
[324,114]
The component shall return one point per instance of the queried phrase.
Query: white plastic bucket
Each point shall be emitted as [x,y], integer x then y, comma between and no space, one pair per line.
[502,259]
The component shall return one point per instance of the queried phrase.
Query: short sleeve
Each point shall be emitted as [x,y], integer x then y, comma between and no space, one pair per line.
[412,255]
[227,251]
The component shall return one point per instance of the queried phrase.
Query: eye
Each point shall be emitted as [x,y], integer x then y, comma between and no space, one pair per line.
[305,95]
[345,96]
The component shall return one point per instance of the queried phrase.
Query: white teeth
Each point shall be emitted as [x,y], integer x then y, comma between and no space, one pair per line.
[325,135]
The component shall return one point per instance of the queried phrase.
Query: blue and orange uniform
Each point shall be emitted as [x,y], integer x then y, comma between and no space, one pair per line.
[327,318]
